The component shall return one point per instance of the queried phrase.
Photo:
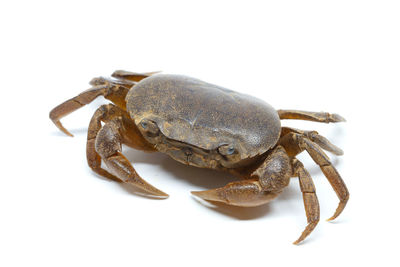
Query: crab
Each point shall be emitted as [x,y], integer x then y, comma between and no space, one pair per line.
[206,126]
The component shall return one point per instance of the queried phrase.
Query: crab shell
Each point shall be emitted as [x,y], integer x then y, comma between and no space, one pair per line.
[204,115]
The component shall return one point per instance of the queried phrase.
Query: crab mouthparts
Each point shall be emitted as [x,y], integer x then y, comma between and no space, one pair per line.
[189,153]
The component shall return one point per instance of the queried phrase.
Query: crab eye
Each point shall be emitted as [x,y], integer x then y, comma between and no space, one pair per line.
[230,151]
[227,150]
[143,123]
[149,126]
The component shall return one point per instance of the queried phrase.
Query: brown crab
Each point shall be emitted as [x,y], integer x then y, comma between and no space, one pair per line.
[207,126]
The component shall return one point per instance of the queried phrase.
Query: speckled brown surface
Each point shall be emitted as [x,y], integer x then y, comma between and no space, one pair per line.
[205,115]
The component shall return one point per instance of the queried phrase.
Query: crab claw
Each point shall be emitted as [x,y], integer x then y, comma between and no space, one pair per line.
[247,193]
[210,195]
[120,166]
[148,189]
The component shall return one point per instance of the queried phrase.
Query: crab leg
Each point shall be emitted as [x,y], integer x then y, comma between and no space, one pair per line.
[104,143]
[310,199]
[331,174]
[295,143]
[316,138]
[114,91]
[309,116]
[132,76]
[75,103]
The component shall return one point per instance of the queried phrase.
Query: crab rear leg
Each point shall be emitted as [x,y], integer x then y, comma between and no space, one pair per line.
[295,143]
[309,116]
[104,143]
[313,136]
[310,199]
[265,183]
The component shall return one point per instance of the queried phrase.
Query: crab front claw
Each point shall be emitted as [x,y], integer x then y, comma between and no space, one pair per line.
[123,169]
[104,143]
[246,193]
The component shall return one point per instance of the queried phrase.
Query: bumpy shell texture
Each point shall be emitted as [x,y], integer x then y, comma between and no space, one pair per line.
[204,115]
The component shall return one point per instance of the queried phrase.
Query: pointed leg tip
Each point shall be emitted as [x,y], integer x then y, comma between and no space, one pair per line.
[66,132]
[337,118]
[299,240]
[303,236]
[334,216]
[62,129]
[307,231]
[122,73]
[331,218]
[339,209]
[153,72]
[118,73]
[335,150]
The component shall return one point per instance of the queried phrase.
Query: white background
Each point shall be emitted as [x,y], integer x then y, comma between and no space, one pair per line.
[336,56]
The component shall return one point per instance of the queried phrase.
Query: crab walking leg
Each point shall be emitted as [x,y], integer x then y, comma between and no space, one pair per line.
[75,103]
[295,143]
[330,172]
[266,182]
[309,116]
[104,143]
[132,76]
[310,199]
[114,91]
[316,138]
